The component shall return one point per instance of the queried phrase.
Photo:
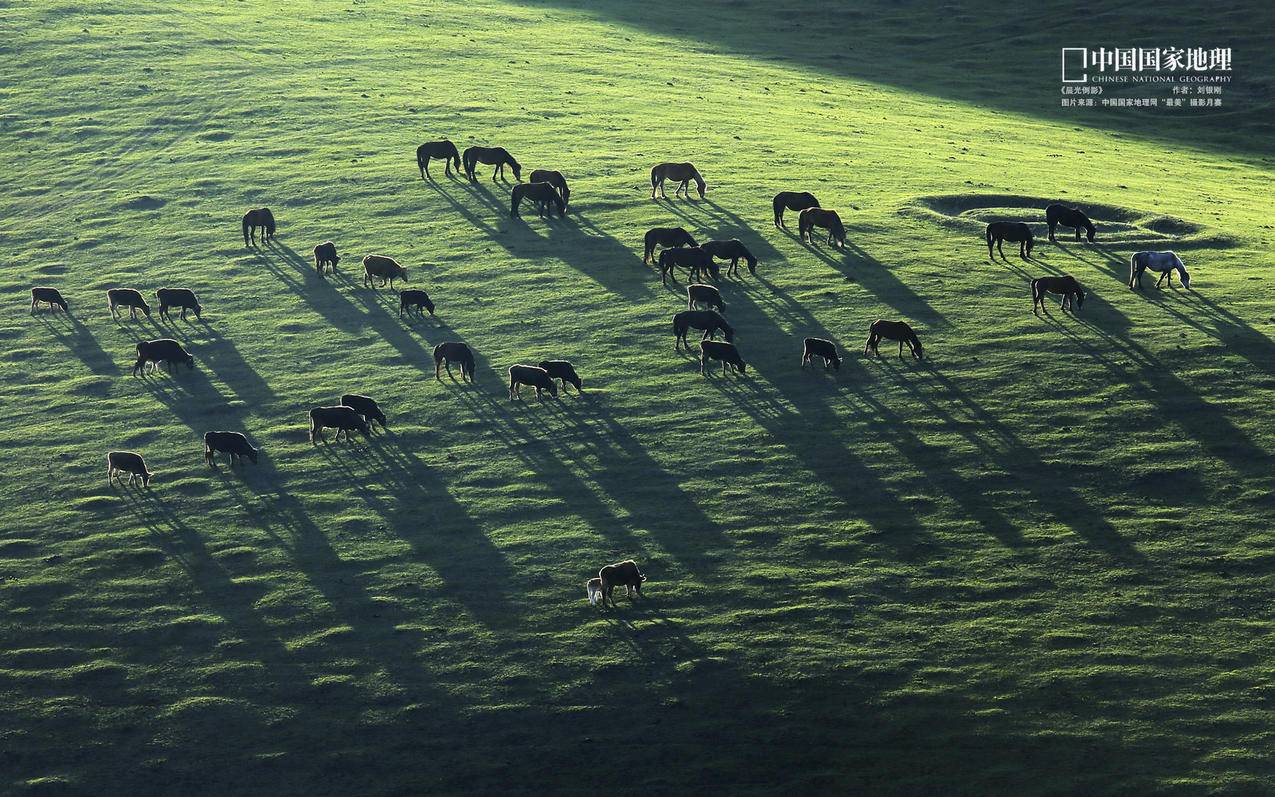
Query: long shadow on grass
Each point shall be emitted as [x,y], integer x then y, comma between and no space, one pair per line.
[80,341]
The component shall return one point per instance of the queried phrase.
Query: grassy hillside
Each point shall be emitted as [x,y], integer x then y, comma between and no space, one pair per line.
[1038,561]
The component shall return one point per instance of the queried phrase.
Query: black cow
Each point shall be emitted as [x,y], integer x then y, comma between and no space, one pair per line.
[344,419]
[178,297]
[165,350]
[232,443]
[564,370]
[450,352]
[50,296]
[325,255]
[823,349]
[621,574]
[532,375]
[414,297]
[126,297]
[367,407]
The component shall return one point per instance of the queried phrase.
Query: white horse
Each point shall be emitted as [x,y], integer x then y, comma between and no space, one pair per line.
[1164,262]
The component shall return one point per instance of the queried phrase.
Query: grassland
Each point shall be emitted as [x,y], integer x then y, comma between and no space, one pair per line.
[1038,562]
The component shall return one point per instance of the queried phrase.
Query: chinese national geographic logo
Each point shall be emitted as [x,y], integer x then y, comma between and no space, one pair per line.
[1148,63]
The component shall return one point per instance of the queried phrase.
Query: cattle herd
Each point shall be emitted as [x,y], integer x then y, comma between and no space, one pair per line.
[549,191]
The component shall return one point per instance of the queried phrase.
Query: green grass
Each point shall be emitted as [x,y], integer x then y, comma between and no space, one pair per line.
[1040,561]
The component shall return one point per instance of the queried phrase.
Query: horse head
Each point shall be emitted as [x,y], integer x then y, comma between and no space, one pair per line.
[1089,229]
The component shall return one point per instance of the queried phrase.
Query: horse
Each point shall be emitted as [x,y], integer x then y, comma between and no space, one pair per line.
[443,150]
[492,156]
[1013,231]
[666,237]
[827,219]
[792,200]
[259,217]
[1164,262]
[543,194]
[695,260]
[708,320]
[554,179]
[731,250]
[893,330]
[1057,214]
[1073,295]
[681,173]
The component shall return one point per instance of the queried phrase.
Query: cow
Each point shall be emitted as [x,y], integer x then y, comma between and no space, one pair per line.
[50,296]
[533,376]
[826,350]
[178,297]
[704,294]
[119,462]
[621,574]
[367,407]
[565,371]
[232,443]
[126,297]
[325,255]
[454,351]
[724,352]
[342,418]
[384,268]
[414,297]
[165,350]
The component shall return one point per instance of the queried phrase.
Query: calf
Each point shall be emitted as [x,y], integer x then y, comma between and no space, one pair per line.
[593,588]
[120,462]
[232,443]
[165,350]
[50,296]
[383,268]
[564,370]
[343,419]
[704,294]
[366,407]
[824,349]
[454,351]
[726,352]
[532,375]
[325,255]
[126,297]
[178,297]
[622,574]
[414,297]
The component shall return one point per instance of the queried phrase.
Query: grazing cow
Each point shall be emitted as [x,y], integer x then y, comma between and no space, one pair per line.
[383,268]
[533,376]
[593,588]
[450,352]
[126,297]
[443,150]
[367,407]
[325,255]
[893,330]
[1013,231]
[1056,215]
[50,296]
[554,179]
[165,350]
[1164,262]
[695,260]
[258,217]
[232,443]
[725,352]
[792,200]
[708,320]
[666,237]
[829,220]
[621,574]
[564,371]
[826,350]
[544,195]
[681,173]
[697,294]
[342,418]
[732,250]
[178,297]
[492,156]
[120,462]
[414,297]
[1073,296]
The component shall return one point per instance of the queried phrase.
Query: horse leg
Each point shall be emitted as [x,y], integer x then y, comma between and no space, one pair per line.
[1052,225]
[1160,281]
[999,243]
[1077,235]
[900,348]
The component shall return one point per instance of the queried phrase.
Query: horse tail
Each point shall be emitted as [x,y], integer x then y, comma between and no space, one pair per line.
[655,174]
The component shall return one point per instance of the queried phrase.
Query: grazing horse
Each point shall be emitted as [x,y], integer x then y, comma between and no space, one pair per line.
[827,219]
[1073,295]
[666,237]
[1013,231]
[443,150]
[492,156]
[1057,214]
[708,320]
[695,260]
[259,217]
[893,330]
[681,173]
[792,200]
[732,250]
[544,195]
[1164,262]
[554,179]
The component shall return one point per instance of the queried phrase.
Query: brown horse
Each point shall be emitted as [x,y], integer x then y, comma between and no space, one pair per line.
[543,194]
[492,156]
[893,330]
[792,200]
[681,173]
[554,179]
[1073,295]
[259,217]
[666,237]
[443,150]
[827,219]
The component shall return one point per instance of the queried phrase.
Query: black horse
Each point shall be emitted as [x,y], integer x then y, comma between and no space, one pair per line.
[443,150]
[893,330]
[1057,214]
[792,200]
[1073,296]
[732,250]
[666,237]
[708,320]
[554,179]
[695,260]
[1013,231]
[492,156]
[258,217]
[544,195]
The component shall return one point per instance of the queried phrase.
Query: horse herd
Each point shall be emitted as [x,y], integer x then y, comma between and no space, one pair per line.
[678,249]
